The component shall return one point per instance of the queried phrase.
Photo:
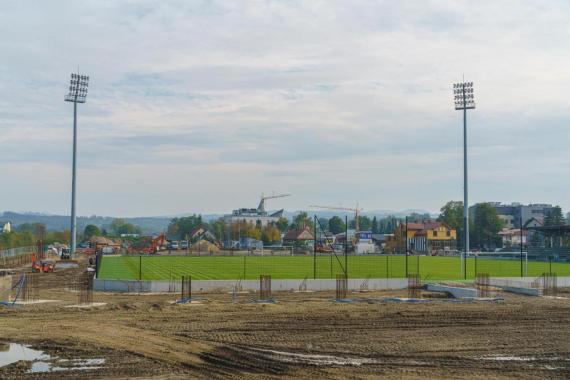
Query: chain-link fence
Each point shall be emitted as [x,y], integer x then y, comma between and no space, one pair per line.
[326,266]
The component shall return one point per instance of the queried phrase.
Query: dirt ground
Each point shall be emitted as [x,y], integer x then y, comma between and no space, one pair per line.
[301,335]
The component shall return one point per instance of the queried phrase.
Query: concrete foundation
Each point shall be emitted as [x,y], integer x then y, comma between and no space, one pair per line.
[454,291]
[225,286]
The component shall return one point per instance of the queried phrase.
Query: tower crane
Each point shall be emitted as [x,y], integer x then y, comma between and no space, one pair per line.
[261,207]
[356,211]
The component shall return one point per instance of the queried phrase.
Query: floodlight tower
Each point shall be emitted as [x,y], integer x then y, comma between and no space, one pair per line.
[464,100]
[77,94]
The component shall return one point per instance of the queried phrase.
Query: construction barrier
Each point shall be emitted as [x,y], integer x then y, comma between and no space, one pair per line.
[16,257]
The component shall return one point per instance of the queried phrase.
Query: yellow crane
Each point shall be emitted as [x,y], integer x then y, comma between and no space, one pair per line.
[356,211]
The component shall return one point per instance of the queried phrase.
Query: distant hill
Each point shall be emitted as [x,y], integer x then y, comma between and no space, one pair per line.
[156,224]
[149,225]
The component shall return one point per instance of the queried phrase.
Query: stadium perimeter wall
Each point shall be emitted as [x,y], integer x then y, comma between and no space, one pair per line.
[225,286]
[525,282]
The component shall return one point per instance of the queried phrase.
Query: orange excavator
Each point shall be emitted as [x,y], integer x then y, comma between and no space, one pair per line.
[155,244]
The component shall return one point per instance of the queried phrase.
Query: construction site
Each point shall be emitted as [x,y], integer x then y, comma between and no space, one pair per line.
[55,323]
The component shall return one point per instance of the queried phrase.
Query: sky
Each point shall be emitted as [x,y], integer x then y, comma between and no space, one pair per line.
[200,106]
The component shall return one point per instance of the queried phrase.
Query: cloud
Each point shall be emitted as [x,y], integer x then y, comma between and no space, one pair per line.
[201,106]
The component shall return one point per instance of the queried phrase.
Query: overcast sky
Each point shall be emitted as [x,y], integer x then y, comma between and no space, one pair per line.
[199,106]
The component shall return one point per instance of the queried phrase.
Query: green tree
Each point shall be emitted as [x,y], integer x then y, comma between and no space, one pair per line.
[120,226]
[387,225]
[302,220]
[90,231]
[452,214]
[178,228]
[554,217]
[374,225]
[282,223]
[218,227]
[270,234]
[25,227]
[364,223]
[485,227]
[336,225]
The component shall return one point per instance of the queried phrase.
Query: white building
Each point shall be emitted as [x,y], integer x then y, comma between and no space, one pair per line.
[512,237]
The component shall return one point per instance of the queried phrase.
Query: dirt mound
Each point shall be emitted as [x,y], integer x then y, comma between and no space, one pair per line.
[205,246]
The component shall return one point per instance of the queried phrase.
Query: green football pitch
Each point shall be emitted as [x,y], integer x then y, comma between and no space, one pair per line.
[294,267]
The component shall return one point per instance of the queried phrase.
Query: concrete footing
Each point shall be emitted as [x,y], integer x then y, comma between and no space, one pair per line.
[453,290]
[225,286]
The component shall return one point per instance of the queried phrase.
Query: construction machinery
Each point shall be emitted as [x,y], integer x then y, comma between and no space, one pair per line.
[340,208]
[261,207]
[66,254]
[43,266]
[155,244]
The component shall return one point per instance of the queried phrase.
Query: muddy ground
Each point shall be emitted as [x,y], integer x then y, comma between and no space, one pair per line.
[301,335]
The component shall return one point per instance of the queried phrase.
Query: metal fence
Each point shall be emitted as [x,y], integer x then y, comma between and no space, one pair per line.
[16,257]
[13,252]
[326,266]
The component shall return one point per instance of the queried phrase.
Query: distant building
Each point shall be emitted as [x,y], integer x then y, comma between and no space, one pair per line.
[364,243]
[250,243]
[512,213]
[254,215]
[512,237]
[299,237]
[428,237]
[7,228]
[200,233]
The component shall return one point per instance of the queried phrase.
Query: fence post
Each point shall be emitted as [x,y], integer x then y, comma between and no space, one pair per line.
[550,266]
[315,248]
[418,265]
[140,267]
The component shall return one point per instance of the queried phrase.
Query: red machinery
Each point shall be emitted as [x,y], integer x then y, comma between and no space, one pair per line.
[44,266]
[155,244]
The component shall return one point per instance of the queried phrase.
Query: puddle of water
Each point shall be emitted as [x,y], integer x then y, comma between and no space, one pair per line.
[16,352]
[61,265]
[294,357]
[511,358]
[42,362]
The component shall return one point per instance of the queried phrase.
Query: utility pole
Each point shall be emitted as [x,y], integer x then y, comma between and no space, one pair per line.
[346,246]
[522,274]
[406,237]
[77,94]
[464,100]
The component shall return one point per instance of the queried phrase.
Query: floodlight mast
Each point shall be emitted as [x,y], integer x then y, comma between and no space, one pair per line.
[77,94]
[464,100]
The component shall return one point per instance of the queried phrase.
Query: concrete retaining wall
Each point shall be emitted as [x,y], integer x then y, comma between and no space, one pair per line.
[454,291]
[225,286]
[524,285]
[524,291]
[525,282]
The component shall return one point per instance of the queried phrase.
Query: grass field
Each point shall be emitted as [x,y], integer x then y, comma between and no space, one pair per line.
[287,267]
